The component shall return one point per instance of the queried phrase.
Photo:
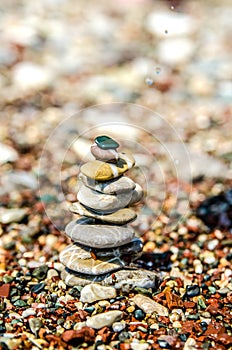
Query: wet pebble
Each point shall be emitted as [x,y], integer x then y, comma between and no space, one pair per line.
[192,290]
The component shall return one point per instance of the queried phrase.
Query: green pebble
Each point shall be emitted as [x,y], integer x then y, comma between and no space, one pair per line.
[106,142]
[7,279]
[89,309]
[201,303]
[40,272]
[212,289]
[20,303]
[193,317]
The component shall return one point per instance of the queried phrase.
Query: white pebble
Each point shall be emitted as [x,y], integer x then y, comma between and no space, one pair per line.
[118,326]
[93,292]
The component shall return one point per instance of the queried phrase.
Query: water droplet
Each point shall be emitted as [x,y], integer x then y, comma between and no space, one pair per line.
[177,161]
[149,81]
[172,8]
[158,70]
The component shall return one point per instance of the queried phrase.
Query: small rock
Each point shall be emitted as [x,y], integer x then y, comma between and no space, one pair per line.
[74,337]
[118,326]
[106,142]
[28,312]
[7,154]
[40,272]
[139,315]
[35,324]
[94,292]
[5,290]
[28,75]
[150,306]
[12,215]
[192,290]
[105,319]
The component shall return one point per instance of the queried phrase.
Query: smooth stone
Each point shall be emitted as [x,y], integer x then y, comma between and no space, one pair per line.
[137,194]
[106,142]
[94,292]
[100,261]
[120,217]
[105,319]
[7,154]
[121,184]
[124,280]
[12,215]
[104,154]
[79,260]
[85,231]
[104,203]
[101,171]
[150,306]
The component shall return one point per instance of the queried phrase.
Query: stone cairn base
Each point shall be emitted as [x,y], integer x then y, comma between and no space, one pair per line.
[105,247]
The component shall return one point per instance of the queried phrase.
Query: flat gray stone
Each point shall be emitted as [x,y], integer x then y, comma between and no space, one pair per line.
[119,217]
[79,260]
[104,154]
[121,184]
[124,279]
[85,231]
[12,215]
[104,203]
[137,195]
[100,261]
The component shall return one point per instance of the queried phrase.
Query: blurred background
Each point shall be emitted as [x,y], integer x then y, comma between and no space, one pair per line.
[58,57]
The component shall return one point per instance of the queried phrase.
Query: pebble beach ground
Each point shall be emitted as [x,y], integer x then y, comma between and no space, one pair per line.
[156,76]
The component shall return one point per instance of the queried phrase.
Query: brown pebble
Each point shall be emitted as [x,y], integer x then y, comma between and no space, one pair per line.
[85,334]
[5,290]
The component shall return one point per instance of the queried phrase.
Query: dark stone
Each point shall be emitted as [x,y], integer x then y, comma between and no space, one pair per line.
[106,142]
[123,336]
[163,344]
[38,287]
[40,272]
[216,211]
[151,261]
[139,315]
[192,291]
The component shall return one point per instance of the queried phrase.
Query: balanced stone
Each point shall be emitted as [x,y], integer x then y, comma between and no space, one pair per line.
[137,194]
[106,142]
[87,232]
[75,258]
[124,279]
[101,171]
[100,261]
[119,217]
[121,184]
[104,154]
[103,203]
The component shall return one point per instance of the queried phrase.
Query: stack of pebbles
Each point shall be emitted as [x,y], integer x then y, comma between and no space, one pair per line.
[104,245]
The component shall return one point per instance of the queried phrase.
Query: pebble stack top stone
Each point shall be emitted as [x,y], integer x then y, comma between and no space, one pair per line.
[104,244]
